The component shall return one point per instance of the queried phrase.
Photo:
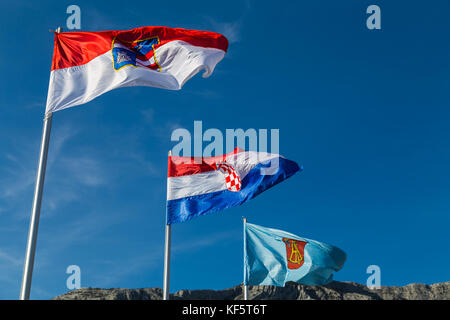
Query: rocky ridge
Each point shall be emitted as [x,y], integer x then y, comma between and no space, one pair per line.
[292,291]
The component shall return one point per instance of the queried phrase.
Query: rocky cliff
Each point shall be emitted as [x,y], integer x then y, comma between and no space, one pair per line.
[292,291]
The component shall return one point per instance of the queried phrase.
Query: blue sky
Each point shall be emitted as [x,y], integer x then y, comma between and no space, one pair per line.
[366,113]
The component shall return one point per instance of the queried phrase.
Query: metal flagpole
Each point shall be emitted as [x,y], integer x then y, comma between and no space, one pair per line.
[167,253]
[245,274]
[36,208]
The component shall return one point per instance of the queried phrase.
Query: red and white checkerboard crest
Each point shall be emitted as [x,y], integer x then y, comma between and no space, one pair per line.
[232,180]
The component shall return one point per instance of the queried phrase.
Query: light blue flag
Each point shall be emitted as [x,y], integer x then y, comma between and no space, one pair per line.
[274,257]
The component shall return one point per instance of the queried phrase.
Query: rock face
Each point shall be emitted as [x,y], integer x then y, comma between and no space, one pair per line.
[292,291]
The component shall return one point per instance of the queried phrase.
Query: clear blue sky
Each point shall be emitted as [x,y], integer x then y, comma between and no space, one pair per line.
[366,113]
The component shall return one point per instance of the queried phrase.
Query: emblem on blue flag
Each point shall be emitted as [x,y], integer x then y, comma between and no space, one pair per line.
[294,252]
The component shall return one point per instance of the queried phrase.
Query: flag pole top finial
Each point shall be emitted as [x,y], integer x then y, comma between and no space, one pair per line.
[57,30]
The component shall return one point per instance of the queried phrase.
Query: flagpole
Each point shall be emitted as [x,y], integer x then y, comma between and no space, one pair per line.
[167,253]
[36,210]
[245,274]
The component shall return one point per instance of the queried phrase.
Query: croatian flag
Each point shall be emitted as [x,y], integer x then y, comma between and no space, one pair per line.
[196,187]
[88,64]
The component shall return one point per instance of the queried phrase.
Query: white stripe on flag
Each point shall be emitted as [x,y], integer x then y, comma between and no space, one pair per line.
[179,61]
[213,181]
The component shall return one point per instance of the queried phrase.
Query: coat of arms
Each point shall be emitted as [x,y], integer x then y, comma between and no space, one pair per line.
[294,252]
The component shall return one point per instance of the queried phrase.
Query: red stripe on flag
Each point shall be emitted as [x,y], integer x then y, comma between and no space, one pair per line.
[78,48]
[185,166]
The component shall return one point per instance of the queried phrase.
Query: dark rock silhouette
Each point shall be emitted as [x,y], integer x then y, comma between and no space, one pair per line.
[292,291]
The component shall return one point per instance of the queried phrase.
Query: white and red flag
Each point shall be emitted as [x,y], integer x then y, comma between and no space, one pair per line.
[88,64]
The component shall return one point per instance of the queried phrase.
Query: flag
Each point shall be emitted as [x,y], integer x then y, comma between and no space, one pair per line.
[195,188]
[274,257]
[88,64]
